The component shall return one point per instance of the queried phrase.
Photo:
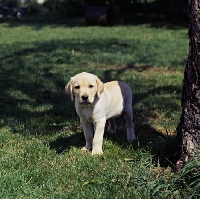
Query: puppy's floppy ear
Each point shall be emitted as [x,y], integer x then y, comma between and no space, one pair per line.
[100,87]
[68,89]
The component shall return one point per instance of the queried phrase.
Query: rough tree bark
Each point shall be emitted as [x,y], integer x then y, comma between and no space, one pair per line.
[188,130]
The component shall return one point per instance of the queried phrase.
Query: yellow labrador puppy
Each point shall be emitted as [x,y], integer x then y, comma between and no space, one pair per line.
[96,102]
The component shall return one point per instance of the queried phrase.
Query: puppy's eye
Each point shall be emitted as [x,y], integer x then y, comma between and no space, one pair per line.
[91,86]
[77,87]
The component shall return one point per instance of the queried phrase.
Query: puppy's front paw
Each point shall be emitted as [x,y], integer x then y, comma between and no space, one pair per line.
[97,151]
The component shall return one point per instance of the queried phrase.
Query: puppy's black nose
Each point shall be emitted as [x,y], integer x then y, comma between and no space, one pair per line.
[84,97]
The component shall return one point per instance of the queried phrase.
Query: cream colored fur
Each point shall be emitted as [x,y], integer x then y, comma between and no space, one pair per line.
[96,102]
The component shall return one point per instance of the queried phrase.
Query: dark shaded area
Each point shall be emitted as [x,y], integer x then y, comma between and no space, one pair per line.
[144,11]
[158,13]
[99,16]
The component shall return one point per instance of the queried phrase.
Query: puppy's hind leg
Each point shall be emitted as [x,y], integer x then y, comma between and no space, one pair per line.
[128,114]
[112,126]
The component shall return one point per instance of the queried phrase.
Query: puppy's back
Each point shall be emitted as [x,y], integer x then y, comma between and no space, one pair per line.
[120,97]
[118,89]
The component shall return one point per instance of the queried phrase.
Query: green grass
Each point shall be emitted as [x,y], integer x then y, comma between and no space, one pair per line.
[40,133]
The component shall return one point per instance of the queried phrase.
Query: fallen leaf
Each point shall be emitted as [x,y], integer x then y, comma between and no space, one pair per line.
[91,182]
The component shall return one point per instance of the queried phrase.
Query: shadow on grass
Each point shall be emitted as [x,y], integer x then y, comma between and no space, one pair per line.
[63,144]
[158,13]
[162,147]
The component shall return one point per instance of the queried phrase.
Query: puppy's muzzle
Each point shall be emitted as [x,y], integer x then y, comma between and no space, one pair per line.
[85,99]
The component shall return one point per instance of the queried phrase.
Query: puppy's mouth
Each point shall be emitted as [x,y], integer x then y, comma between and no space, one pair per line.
[85,102]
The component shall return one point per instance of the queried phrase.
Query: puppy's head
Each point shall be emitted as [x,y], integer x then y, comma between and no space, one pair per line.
[85,87]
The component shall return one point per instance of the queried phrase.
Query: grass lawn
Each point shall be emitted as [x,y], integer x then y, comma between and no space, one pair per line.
[40,133]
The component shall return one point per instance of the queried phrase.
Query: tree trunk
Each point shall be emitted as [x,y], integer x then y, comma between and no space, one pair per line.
[188,131]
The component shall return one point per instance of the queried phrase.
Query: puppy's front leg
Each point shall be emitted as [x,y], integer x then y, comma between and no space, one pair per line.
[88,132]
[98,137]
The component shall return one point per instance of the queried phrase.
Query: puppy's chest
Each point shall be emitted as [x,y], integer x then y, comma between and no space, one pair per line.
[87,114]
